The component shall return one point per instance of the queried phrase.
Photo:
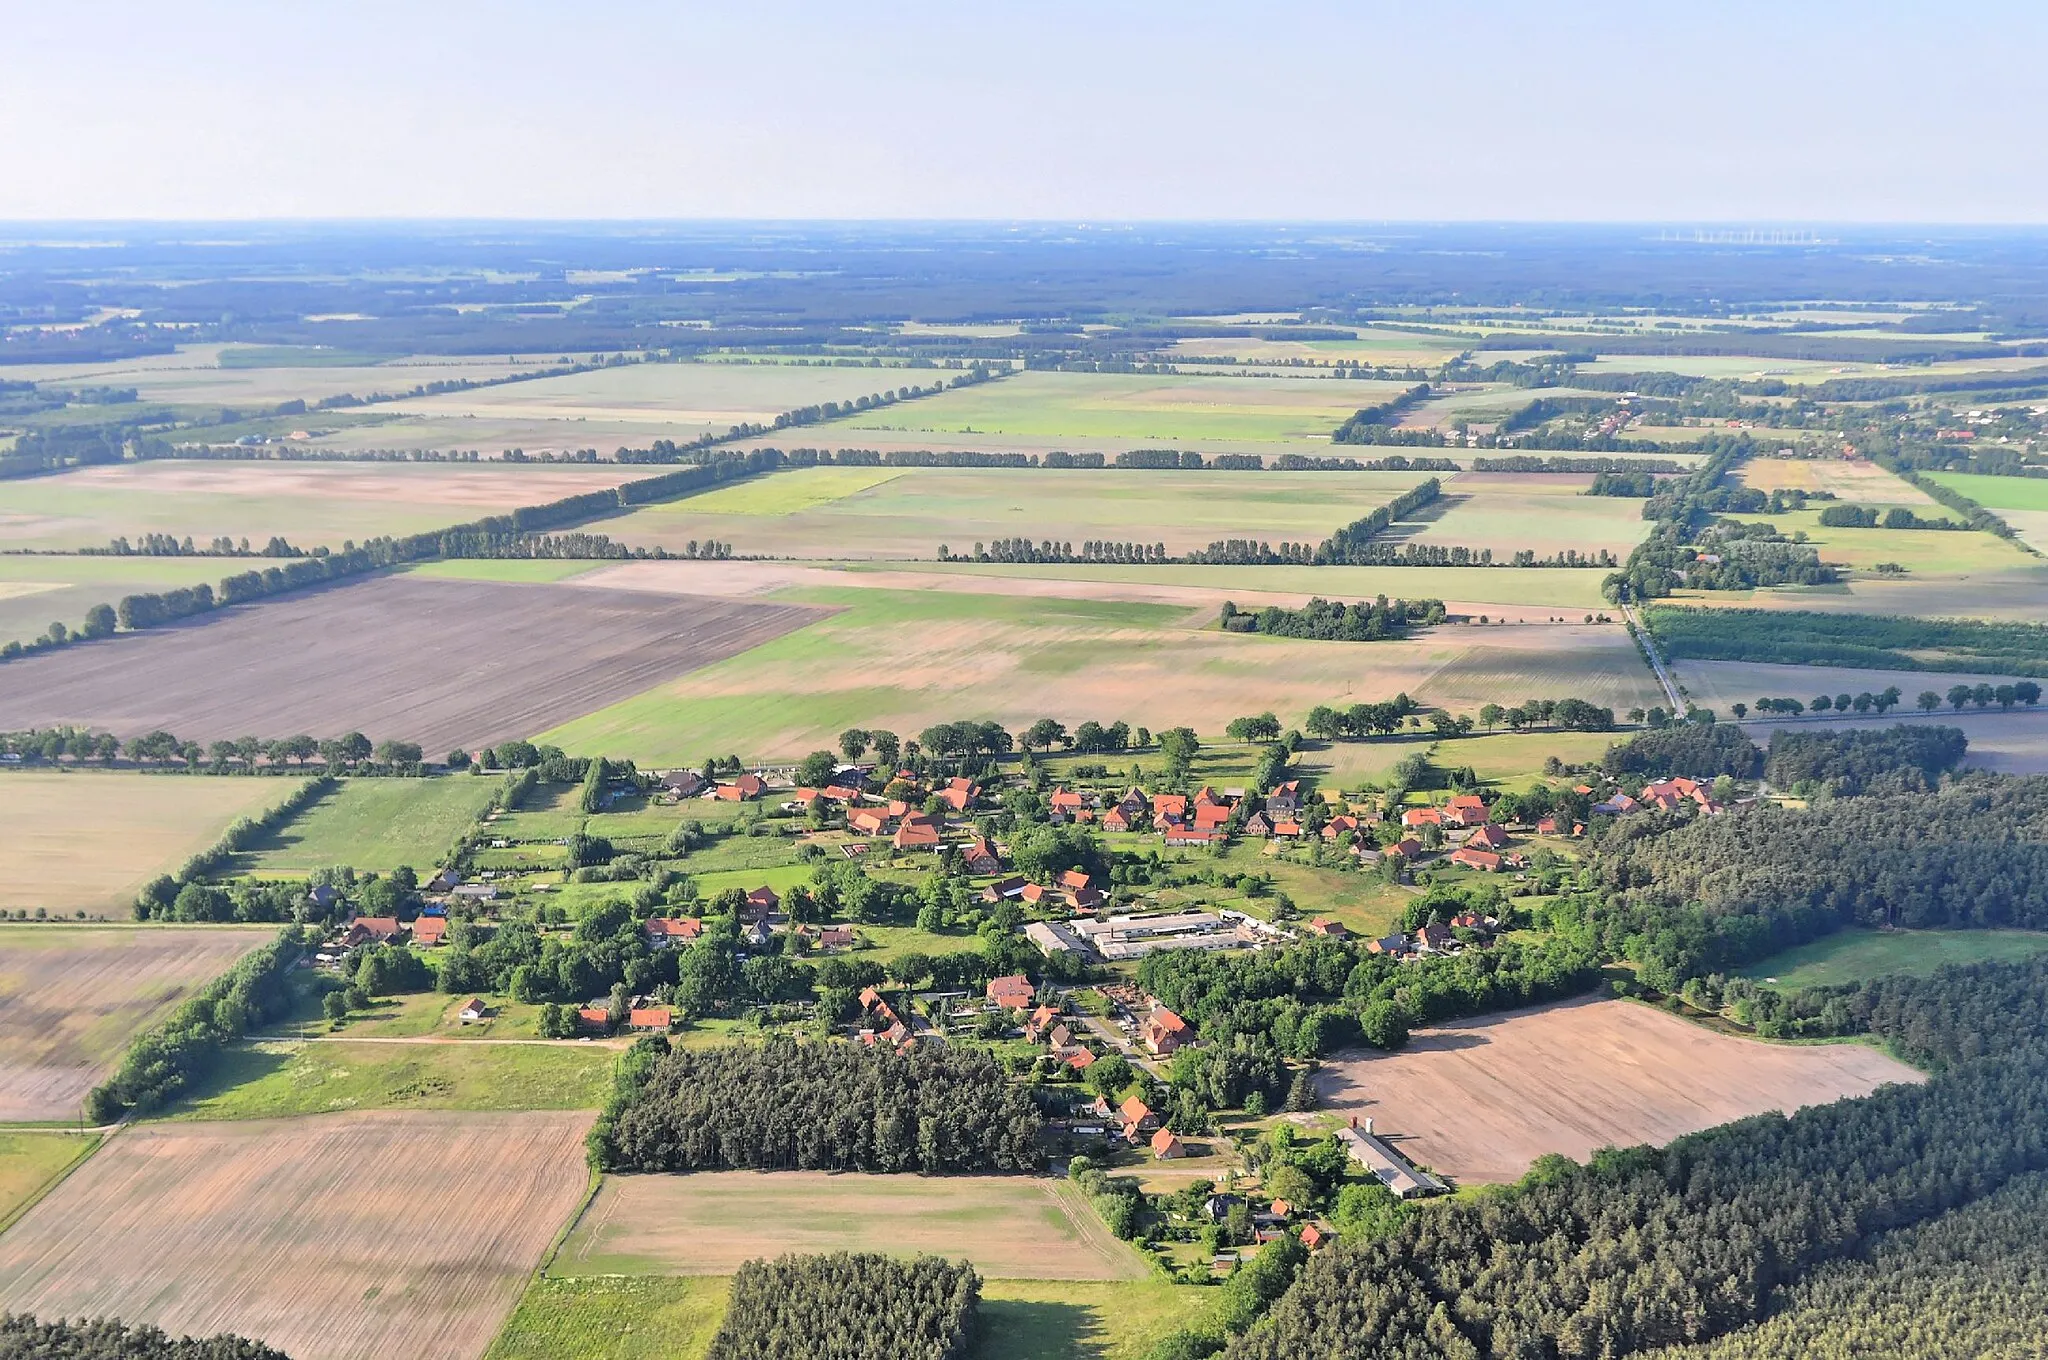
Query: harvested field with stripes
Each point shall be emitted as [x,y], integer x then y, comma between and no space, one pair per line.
[72,997]
[340,1237]
[441,662]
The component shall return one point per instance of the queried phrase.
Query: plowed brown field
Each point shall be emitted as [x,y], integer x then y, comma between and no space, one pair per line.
[71,997]
[1481,1099]
[440,662]
[340,1237]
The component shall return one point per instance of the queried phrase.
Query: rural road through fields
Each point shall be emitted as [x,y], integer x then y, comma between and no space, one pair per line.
[1649,650]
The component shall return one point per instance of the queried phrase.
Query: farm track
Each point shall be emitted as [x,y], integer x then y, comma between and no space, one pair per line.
[442,662]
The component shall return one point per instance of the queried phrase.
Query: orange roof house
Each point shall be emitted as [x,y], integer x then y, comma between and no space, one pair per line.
[1137,1114]
[430,930]
[1488,837]
[1165,1032]
[1012,993]
[1115,820]
[1484,860]
[1166,1147]
[1425,816]
[917,833]
[649,1017]
[665,931]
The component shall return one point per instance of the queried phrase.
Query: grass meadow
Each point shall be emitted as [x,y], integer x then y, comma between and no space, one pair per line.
[1997,493]
[373,824]
[270,1079]
[903,660]
[32,1161]
[1857,955]
[86,840]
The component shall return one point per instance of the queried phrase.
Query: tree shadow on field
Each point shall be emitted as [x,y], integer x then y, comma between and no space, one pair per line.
[236,1066]
[1012,1329]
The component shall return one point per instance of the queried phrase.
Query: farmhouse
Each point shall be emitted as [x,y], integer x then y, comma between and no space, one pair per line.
[1012,993]
[1417,818]
[649,1018]
[373,930]
[1340,828]
[1002,888]
[959,794]
[430,930]
[1137,1116]
[1488,837]
[1618,805]
[980,857]
[918,833]
[1166,1032]
[1065,804]
[1485,861]
[683,783]
[1116,819]
[1285,801]
[1407,848]
[1467,809]
[665,932]
[1258,825]
[596,1017]
[868,822]
[745,789]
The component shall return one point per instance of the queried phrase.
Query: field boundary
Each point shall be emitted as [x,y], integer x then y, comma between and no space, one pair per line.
[93,1140]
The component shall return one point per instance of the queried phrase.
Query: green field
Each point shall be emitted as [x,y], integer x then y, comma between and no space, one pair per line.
[1509,512]
[1854,955]
[375,825]
[835,512]
[38,591]
[614,1318]
[269,1079]
[1997,493]
[663,1318]
[30,1163]
[1922,552]
[1147,409]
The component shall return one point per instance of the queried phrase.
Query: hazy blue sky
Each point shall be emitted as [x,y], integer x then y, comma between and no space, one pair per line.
[1562,110]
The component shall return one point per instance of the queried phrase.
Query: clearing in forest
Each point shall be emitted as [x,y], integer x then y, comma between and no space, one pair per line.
[86,840]
[1481,1099]
[708,1223]
[347,1237]
[72,997]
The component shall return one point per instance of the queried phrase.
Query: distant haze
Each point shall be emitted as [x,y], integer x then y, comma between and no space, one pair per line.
[1817,112]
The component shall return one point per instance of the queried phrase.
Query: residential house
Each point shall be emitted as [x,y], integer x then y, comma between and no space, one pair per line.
[1487,861]
[1488,837]
[1285,801]
[1287,831]
[650,1017]
[835,937]
[373,930]
[1467,809]
[1012,993]
[1395,945]
[666,932]
[745,789]
[474,1009]
[1166,1147]
[1417,818]
[1340,828]
[1137,1116]
[1035,894]
[1002,888]
[440,882]
[1165,1032]
[594,1017]
[762,901]
[1039,1022]
[1064,804]
[1061,1038]
[323,897]
[1619,805]
[960,794]
[1080,1060]
[1211,816]
[980,857]
[430,930]
[1314,1236]
[1074,880]
[1328,929]
[1169,808]
[1436,939]
[1116,819]
[918,833]
[868,822]
[757,932]
[1407,848]
[1548,826]
[1216,1208]
[682,783]
[1258,825]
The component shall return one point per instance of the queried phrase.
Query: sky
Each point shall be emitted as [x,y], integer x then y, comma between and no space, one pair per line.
[1561,111]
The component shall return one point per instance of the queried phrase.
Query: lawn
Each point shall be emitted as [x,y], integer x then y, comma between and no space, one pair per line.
[615,1318]
[887,513]
[1855,955]
[86,840]
[270,1078]
[374,825]
[902,660]
[1151,409]
[30,1163]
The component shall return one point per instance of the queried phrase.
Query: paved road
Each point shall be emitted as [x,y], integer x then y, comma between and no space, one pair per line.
[1649,649]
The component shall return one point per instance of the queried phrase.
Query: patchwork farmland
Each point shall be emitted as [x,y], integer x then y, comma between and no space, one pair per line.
[272,1230]
[1481,1099]
[440,662]
[72,997]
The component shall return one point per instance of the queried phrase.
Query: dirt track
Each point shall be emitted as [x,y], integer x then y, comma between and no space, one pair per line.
[1481,1099]
[443,663]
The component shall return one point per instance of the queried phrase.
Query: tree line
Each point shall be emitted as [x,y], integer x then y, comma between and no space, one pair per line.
[1877,641]
[1335,621]
[782,1105]
[849,1306]
[1348,545]
[23,1337]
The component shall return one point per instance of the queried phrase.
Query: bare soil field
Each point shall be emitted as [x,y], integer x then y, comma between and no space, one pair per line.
[440,662]
[1479,1100]
[1011,1227]
[310,504]
[1539,511]
[71,997]
[2005,593]
[1718,684]
[343,1237]
[1860,482]
[85,840]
